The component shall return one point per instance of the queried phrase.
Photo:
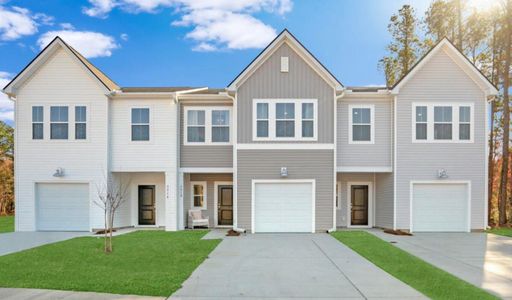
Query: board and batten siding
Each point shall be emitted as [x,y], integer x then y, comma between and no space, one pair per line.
[204,156]
[301,164]
[157,154]
[440,80]
[301,82]
[378,154]
[61,81]
[210,193]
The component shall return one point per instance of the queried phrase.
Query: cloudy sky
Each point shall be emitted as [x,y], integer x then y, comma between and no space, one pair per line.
[195,42]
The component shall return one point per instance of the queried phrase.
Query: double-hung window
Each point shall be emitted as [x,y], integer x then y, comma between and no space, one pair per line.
[284,119]
[361,119]
[37,123]
[198,194]
[207,125]
[442,122]
[140,124]
[80,122]
[59,122]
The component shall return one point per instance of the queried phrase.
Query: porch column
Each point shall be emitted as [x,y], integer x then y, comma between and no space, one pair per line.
[181,217]
[171,207]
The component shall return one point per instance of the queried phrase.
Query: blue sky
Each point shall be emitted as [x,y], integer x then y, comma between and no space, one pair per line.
[196,42]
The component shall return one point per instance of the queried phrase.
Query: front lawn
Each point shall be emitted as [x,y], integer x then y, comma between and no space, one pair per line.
[505,231]
[153,263]
[422,276]
[6,224]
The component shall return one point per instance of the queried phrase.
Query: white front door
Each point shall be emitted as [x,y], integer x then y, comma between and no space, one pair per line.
[440,207]
[62,206]
[283,206]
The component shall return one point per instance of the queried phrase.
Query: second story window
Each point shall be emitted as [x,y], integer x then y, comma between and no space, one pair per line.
[262,120]
[421,122]
[140,124]
[80,122]
[285,120]
[59,123]
[464,123]
[37,123]
[207,125]
[361,130]
[442,122]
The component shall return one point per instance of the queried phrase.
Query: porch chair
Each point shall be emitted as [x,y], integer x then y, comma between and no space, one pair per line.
[195,219]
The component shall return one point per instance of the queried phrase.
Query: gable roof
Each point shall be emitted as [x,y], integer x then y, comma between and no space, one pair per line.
[33,65]
[288,37]
[458,57]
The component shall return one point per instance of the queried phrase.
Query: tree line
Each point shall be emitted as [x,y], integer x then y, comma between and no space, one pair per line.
[484,36]
[6,169]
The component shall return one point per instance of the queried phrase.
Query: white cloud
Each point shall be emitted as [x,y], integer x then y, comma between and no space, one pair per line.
[6,105]
[15,23]
[44,19]
[216,25]
[67,26]
[124,36]
[89,44]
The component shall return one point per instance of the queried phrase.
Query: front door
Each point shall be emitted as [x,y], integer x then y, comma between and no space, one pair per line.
[225,205]
[146,205]
[359,205]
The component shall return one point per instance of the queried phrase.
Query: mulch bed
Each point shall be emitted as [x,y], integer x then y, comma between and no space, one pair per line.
[396,232]
[231,232]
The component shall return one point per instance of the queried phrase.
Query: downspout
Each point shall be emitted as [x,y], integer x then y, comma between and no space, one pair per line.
[179,190]
[334,216]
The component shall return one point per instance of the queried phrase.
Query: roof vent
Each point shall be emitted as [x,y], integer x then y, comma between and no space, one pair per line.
[284,64]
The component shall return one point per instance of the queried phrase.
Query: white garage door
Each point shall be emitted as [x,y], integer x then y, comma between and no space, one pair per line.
[62,206]
[440,207]
[283,207]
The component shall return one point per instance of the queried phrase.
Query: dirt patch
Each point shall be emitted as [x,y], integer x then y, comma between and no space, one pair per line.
[397,232]
[103,231]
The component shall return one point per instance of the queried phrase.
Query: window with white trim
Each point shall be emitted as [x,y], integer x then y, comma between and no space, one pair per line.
[80,122]
[442,122]
[59,122]
[285,119]
[361,127]
[207,125]
[37,122]
[140,124]
[198,194]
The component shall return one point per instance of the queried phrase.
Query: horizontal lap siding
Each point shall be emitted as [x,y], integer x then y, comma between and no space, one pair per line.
[440,80]
[301,82]
[384,200]
[301,164]
[378,154]
[60,81]
[203,156]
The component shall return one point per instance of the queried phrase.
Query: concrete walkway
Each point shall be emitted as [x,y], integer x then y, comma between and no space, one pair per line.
[485,260]
[37,294]
[288,266]
[18,241]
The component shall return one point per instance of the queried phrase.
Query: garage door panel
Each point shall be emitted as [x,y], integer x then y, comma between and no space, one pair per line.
[283,207]
[440,207]
[62,206]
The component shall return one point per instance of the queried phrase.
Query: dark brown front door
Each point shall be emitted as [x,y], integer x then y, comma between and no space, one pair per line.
[359,204]
[225,205]
[146,205]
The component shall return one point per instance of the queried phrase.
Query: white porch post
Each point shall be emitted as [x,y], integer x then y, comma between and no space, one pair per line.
[181,217]
[171,207]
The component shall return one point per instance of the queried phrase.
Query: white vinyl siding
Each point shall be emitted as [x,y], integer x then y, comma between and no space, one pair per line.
[37,122]
[59,125]
[285,120]
[140,124]
[361,124]
[440,207]
[283,206]
[442,122]
[208,125]
[62,206]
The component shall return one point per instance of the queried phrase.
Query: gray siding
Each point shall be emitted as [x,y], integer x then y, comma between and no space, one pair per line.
[378,154]
[210,193]
[343,179]
[302,82]
[384,200]
[203,156]
[440,80]
[302,164]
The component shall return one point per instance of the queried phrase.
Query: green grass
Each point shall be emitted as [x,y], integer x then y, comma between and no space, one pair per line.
[504,231]
[6,224]
[153,263]
[427,279]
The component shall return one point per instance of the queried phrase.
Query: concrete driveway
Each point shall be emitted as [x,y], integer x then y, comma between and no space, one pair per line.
[18,241]
[484,260]
[289,266]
